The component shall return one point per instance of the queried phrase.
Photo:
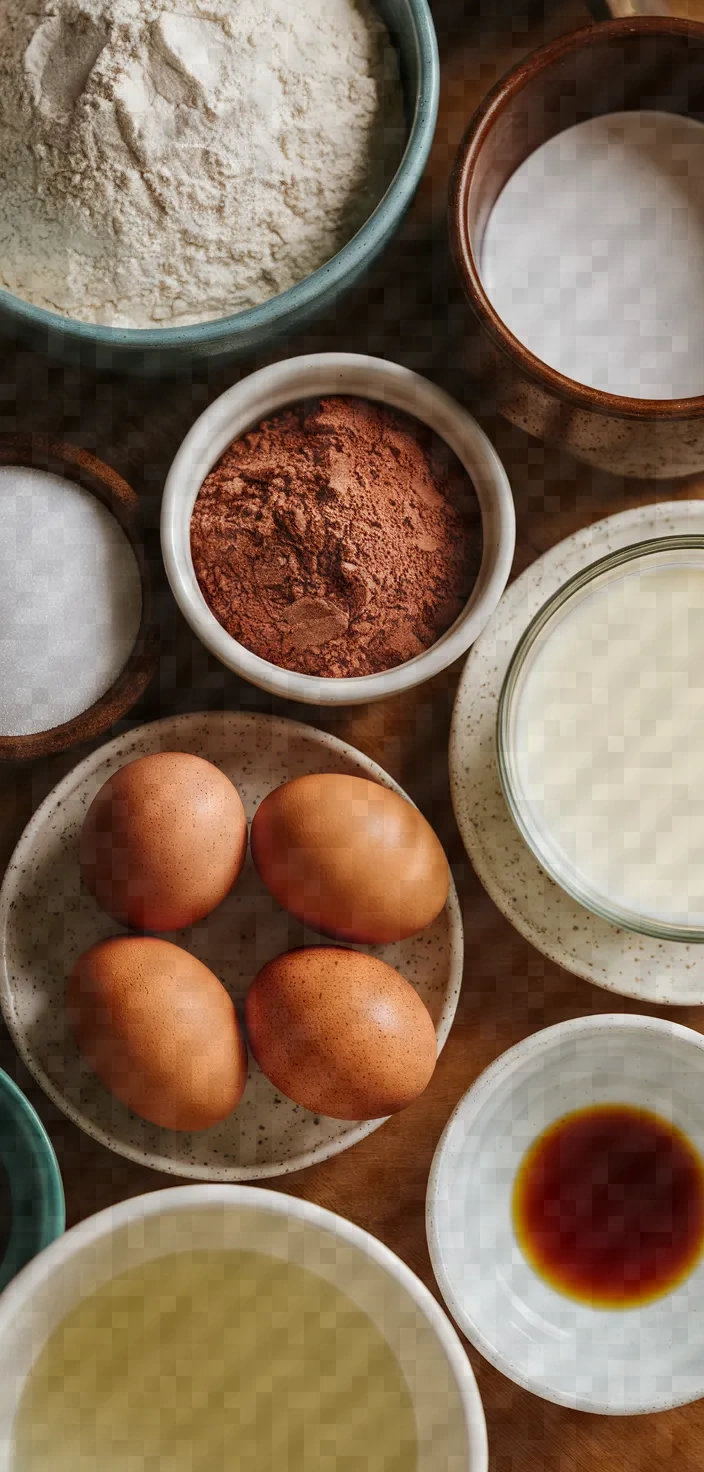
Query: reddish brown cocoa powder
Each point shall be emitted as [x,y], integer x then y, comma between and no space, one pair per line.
[339,538]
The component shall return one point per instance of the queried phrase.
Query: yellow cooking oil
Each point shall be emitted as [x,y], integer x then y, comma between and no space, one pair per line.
[208,1361]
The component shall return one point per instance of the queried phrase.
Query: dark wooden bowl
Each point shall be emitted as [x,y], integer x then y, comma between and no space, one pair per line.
[93,475]
[648,62]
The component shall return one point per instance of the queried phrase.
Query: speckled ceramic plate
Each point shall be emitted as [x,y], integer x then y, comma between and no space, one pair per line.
[619,960]
[47,920]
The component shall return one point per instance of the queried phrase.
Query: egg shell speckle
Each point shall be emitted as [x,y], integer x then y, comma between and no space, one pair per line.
[159,1031]
[661,973]
[350,858]
[48,918]
[163,841]
[340,1032]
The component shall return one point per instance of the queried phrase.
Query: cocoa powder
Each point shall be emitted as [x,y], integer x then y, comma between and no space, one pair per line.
[339,538]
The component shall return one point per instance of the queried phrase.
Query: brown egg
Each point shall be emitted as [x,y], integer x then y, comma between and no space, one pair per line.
[159,1031]
[340,1033]
[350,858]
[163,841]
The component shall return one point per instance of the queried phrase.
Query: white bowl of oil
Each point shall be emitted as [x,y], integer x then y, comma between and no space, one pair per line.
[205,1326]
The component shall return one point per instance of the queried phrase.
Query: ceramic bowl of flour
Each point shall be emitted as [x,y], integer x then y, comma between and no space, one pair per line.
[594,738]
[258,397]
[275,188]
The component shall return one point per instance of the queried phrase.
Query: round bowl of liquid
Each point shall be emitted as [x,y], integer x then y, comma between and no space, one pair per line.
[599,738]
[190,1326]
[32,1212]
[565,1214]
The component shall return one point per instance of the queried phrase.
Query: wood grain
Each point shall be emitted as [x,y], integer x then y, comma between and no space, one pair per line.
[411,310]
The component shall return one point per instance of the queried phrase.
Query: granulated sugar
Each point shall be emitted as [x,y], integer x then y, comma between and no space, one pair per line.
[70,600]
[594,254]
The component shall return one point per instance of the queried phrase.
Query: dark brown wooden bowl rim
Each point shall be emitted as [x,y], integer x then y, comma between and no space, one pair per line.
[83,469]
[474,139]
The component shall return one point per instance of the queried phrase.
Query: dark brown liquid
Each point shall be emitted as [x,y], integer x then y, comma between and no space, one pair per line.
[608,1206]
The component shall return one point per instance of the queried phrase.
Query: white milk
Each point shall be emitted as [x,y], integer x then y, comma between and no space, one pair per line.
[594,254]
[609,741]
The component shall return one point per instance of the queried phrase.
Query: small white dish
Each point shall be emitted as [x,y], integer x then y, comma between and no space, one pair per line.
[264,393]
[450,1424]
[47,919]
[612,1362]
[664,972]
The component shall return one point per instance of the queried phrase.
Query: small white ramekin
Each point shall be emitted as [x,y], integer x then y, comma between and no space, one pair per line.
[614,1362]
[263,394]
[450,1425]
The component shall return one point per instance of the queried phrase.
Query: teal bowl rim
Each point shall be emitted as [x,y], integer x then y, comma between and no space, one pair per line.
[332,276]
[34,1177]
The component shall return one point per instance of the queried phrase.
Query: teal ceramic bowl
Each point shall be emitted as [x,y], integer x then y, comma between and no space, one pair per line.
[32,1210]
[176,349]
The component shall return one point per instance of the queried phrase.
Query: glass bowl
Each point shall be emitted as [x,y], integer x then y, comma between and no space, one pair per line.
[600,738]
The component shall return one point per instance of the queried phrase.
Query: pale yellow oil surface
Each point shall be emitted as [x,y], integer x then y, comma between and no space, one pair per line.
[213,1360]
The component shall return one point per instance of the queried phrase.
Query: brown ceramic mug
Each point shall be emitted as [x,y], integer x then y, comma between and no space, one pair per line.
[653,62]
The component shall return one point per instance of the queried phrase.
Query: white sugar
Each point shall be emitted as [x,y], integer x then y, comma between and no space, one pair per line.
[70,600]
[594,254]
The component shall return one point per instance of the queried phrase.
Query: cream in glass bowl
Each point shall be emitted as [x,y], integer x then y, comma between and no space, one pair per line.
[600,738]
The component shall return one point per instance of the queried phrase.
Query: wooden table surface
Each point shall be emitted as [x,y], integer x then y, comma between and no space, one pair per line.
[410,310]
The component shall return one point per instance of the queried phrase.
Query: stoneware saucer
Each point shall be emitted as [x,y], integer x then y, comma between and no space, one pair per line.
[47,919]
[610,1361]
[663,972]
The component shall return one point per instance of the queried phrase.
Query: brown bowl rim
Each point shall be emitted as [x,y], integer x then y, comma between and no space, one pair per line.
[481,123]
[41,452]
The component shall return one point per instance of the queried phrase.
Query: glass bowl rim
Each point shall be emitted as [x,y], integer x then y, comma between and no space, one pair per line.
[621,917]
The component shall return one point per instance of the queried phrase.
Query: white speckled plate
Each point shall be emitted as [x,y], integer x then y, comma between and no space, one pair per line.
[47,920]
[619,960]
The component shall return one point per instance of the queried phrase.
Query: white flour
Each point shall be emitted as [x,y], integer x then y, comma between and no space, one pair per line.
[171,161]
